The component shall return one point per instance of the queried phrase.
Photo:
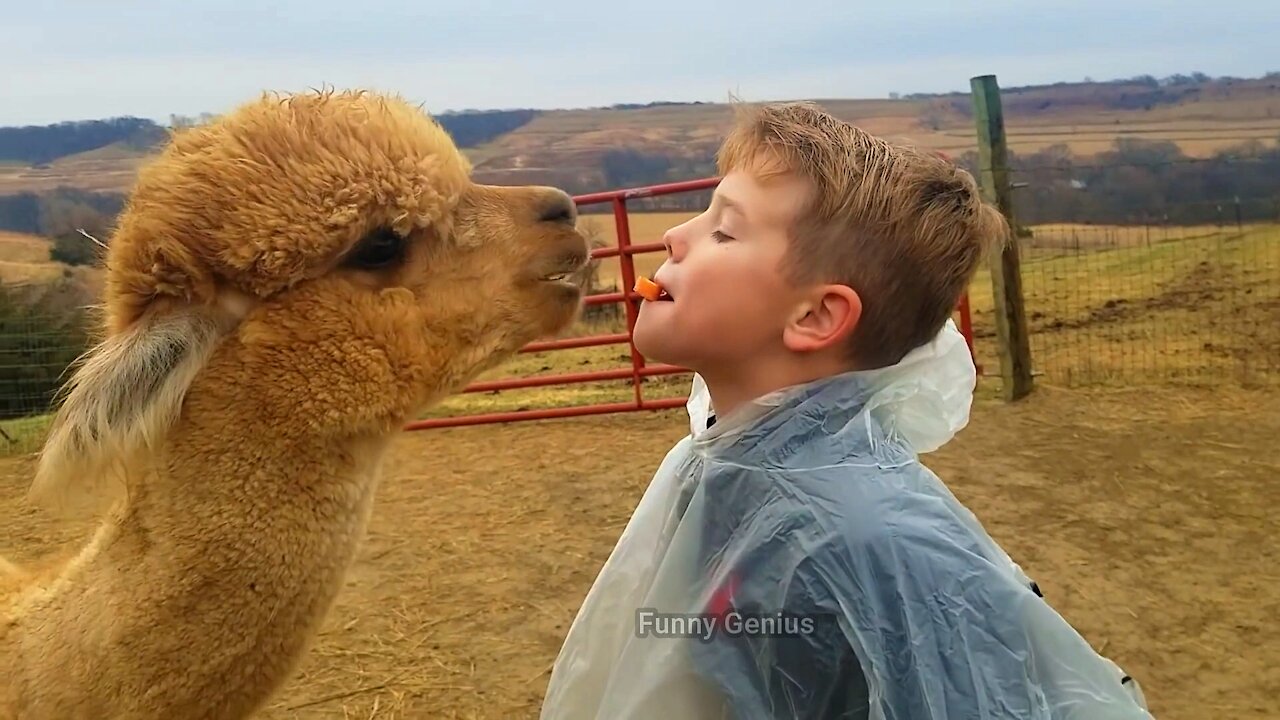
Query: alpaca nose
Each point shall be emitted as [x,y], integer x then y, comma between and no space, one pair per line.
[558,207]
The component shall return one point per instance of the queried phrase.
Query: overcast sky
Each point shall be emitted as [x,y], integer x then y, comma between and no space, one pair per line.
[82,59]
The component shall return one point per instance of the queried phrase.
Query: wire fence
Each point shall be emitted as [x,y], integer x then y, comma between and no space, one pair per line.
[44,326]
[1126,282]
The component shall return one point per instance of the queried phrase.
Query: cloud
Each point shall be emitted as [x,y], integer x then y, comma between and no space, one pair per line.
[87,59]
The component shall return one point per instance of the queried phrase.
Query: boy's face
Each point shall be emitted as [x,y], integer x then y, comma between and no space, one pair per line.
[729,300]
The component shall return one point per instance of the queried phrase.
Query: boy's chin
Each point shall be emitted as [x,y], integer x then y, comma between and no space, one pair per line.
[652,351]
[652,346]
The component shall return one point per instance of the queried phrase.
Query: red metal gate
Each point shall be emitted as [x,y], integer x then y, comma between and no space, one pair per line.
[625,251]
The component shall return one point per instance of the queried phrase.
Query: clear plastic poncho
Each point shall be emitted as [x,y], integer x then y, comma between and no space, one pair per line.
[796,560]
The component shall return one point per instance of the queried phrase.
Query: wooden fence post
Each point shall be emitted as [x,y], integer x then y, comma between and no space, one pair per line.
[1006,273]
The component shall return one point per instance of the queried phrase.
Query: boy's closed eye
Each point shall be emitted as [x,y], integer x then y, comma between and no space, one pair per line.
[720,236]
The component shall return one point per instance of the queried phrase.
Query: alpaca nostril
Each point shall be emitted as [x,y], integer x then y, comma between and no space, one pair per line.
[560,208]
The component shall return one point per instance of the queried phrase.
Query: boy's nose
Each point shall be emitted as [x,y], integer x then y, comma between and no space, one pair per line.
[675,247]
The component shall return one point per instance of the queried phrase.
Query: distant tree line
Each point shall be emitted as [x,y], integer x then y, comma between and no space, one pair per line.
[38,144]
[42,144]
[656,103]
[475,128]
[628,167]
[1145,182]
[1144,92]
[1176,80]
[60,215]
[1137,181]
[468,128]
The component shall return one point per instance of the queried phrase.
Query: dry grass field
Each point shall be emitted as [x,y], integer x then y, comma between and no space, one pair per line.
[1144,514]
[1196,137]
[23,248]
[1142,503]
[1148,305]
[25,259]
[107,169]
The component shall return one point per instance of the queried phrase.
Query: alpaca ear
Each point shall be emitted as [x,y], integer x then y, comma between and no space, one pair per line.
[123,396]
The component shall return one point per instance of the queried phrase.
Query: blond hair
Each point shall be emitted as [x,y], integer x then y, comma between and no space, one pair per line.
[904,228]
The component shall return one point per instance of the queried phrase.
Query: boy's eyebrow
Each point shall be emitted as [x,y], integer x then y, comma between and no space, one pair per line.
[729,203]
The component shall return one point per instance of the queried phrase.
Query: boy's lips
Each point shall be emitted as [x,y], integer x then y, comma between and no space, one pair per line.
[665,295]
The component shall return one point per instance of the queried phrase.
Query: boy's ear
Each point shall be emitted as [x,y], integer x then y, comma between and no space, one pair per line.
[122,397]
[826,319]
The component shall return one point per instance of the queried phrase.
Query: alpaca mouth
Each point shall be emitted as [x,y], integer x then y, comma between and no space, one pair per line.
[565,278]
[570,270]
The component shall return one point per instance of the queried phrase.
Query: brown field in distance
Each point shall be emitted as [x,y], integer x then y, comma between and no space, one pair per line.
[23,248]
[25,259]
[109,169]
[570,143]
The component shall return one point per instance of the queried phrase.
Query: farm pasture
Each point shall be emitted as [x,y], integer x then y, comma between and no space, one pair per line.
[1146,515]
[1134,485]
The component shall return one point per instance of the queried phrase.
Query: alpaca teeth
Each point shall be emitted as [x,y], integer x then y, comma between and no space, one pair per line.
[556,277]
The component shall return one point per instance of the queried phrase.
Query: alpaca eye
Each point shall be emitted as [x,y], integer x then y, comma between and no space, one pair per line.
[378,249]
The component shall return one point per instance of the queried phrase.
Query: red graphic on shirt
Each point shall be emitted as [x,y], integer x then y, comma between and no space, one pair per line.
[721,601]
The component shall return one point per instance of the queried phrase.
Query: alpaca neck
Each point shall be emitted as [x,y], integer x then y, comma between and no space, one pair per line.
[237,543]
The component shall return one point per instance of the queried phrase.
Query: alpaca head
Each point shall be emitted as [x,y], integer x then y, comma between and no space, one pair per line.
[326,253]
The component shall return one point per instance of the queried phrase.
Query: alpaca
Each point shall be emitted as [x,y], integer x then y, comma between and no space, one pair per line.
[286,288]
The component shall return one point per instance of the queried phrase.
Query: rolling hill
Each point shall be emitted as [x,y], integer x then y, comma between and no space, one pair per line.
[571,148]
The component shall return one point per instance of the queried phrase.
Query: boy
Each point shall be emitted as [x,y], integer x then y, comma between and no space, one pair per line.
[792,558]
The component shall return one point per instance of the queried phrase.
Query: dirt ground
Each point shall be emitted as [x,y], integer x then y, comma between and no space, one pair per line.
[1147,517]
